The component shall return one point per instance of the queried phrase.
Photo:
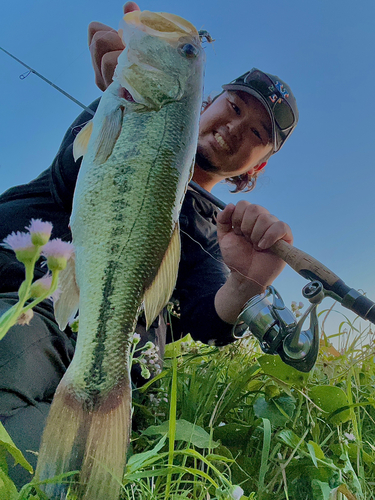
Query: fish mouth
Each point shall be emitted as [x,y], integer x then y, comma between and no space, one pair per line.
[134,62]
[130,94]
[168,26]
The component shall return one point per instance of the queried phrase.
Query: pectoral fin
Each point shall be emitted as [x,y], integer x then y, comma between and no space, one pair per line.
[109,130]
[158,294]
[66,306]
[108,135]
[81,141]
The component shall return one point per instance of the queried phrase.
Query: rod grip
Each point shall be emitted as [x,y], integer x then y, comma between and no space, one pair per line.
[310,268]
[304,264]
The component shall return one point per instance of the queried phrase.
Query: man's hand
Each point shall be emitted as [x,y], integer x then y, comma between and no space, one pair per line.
[245,232]
[105,46]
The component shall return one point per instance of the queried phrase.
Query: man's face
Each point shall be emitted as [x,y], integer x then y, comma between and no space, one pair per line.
[234,134]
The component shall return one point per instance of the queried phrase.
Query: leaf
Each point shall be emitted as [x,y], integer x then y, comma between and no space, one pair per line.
[321,490]
[278,411]
[254,385]
[185,431]
[315,452]
[233,434]
[353,454]
[330,399]
[291,439]
[137,461]
[8,491]
[265,453]
[275,367]
[350,474]
[7,443]
[272,391]
[3,460]
[344,490]
[174,348]
[219,458]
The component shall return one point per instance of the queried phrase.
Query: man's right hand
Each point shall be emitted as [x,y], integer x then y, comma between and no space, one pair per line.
[105,47]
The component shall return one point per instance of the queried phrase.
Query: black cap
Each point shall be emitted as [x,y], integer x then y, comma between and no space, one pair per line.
[277,98]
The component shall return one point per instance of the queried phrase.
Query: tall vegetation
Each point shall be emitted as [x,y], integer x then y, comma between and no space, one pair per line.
[230,423]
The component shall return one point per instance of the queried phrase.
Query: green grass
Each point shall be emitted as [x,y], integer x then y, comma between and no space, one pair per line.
[217,419]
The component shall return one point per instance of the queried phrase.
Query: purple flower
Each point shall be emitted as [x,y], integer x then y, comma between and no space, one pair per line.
[18,241]
[57,253]
[45,282]
[236,492]
[136,338]
[58,248]
[40,231]
[349,437]
[22,245]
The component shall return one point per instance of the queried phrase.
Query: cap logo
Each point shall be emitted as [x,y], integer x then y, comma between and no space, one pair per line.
[281,89]
[273,97]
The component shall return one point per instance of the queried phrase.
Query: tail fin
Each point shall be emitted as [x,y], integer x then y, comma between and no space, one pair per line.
[90,439]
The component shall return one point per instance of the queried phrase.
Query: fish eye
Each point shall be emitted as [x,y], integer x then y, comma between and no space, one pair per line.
[189,50]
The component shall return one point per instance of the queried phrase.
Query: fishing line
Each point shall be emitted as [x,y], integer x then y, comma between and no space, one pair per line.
[220,261]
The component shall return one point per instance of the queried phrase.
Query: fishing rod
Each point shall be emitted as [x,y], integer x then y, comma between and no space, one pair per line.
[274,325]
[301,262]
[31,70]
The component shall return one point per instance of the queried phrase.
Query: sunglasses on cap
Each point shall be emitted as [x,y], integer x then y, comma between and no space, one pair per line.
[276,96]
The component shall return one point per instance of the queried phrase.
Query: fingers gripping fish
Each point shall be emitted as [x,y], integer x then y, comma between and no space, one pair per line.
[138,155]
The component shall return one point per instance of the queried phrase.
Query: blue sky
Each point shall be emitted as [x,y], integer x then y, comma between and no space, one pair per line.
[321,183]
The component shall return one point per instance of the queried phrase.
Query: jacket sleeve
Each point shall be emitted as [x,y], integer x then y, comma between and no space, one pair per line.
[201,273]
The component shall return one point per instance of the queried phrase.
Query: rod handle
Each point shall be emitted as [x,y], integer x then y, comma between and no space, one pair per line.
[301,262]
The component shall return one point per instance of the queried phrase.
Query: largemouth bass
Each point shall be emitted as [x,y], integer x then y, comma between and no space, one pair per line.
[138,157]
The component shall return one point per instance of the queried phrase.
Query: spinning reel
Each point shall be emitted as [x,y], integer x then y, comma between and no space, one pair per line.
[266,317]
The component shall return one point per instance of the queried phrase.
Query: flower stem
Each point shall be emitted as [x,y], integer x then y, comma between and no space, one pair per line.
[10,317]
[48,293]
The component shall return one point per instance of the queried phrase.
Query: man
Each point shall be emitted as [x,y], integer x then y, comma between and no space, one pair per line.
[239,131]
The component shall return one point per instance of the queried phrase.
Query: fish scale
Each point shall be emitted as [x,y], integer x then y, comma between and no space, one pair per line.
[129,244]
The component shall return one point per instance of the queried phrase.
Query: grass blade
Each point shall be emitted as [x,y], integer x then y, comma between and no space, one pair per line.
[265,454]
